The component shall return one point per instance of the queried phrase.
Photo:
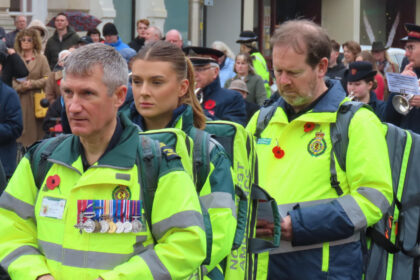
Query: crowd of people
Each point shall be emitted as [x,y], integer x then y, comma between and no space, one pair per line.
[99,93]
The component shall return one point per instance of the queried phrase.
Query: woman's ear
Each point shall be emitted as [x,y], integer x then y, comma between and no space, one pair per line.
[370,85]
[183,87]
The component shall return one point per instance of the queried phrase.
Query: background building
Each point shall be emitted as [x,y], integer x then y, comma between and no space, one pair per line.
[203,21]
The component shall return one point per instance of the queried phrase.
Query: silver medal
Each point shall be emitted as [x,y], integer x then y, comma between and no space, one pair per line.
[104,226]
[89,226]
[136,226]
[120,227]
[127,227]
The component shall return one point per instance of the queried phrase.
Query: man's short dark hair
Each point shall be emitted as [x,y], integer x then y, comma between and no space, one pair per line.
[304,35]
[61,14]
[335,45]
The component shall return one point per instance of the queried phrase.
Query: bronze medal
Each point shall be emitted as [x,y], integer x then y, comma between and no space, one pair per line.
[112,227]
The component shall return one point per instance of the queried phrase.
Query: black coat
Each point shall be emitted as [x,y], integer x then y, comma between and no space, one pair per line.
[410,121]
[13,67]
[137,43]
[377,105]
[10,127]
[223,104]
[55,46]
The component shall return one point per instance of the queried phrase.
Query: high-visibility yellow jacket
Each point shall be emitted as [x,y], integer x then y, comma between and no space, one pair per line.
[217,192]
[324,224]
[32,245]
[261,69]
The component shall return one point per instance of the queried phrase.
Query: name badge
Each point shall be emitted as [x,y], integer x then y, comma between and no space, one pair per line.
[264,141]
[52,207]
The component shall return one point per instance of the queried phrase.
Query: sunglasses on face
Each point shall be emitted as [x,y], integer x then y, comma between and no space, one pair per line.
[29,40]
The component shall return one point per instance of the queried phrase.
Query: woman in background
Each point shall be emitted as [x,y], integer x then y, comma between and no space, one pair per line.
[28,45]
[361,83]
[380,90]
[254,83]
[350,50]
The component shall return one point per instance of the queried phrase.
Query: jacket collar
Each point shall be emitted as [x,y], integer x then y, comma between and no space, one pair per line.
[185,120]
[330,101]
[116,43]
[121,156]
[70,32]
[180,117]
[213,86]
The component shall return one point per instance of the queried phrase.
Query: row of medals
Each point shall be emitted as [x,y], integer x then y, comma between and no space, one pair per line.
[106,225]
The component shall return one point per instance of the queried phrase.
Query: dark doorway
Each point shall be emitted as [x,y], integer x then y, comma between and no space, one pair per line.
[308,9]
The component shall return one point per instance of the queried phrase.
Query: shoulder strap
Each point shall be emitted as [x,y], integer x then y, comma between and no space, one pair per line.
[201,158]
[264,117]
[148,163]
[340,140]
[340,130]
[38,158]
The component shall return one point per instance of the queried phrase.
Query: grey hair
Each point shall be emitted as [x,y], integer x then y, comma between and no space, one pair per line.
[156,31]
[177,32]
[219,45]
[81,61]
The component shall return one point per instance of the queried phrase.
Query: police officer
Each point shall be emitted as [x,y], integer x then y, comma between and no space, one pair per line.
[87,219]
[321,223]
[218,103]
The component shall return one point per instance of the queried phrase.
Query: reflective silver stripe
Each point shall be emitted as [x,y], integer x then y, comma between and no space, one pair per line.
[139,246]
[64,164]
[376,197]
[157,268]
[82,259]
[353,211]
[183,219]
[286,246]
[219,200]
[21,251]
[21,208]
[122,176]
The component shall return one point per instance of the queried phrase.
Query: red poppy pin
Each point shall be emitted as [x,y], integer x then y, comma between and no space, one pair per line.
[209,104]
[53,182]
[308,127]
[353,71]
[278,152]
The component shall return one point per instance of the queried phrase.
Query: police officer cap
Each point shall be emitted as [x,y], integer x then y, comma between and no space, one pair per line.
[201,56]
[413,32]
[359,70]
[247,37]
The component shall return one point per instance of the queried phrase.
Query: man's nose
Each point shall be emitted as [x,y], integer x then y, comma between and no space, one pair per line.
[73,104]
[284,79]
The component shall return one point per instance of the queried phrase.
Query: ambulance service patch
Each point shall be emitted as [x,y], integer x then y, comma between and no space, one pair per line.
[121,193]
[317,145]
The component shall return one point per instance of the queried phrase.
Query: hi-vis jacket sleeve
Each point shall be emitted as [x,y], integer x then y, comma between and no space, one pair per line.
[217,196]
[19,252]
[369,180]
[177,226]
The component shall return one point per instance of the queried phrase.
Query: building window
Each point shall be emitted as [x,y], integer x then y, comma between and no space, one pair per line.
[21,7]
[383,20]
